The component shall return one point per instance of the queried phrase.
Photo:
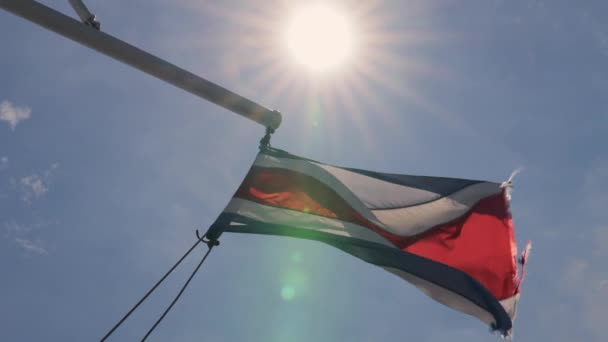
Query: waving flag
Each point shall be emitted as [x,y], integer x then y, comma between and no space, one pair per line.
[451,238]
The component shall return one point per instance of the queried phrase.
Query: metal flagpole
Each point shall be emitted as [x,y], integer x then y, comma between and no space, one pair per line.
[139,59]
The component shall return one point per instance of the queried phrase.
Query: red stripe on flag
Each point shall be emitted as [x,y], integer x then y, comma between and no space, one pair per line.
[481,244]
[288,189]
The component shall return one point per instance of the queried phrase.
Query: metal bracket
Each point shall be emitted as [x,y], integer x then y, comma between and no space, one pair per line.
[265,141]
[85,15]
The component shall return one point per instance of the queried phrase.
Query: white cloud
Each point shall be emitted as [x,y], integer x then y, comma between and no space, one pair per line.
[21,234]
[3,163]
[31,246]
[32,187]
[35,186]
[13,114]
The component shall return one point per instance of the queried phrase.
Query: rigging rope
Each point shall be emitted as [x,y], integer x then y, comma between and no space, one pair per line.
[200,239]
[210,244]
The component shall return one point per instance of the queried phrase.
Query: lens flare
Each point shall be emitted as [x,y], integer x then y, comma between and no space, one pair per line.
[287,293]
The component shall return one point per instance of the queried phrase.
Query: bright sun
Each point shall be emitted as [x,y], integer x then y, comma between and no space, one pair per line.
[319,37]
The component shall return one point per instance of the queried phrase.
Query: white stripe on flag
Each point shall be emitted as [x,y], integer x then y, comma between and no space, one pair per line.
[314,170]
[417,219]
[444,296]
[376,193]
[510,305]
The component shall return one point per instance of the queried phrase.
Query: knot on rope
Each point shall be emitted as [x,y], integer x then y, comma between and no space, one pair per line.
[209,242]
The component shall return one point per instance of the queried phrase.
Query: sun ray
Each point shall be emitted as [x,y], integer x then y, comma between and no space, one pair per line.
[385,64]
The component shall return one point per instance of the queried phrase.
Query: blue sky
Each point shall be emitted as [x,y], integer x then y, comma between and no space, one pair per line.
[105,172]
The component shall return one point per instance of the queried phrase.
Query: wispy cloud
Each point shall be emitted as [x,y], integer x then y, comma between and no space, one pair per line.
[21,235]
[30,187]
[13,114]
[13,229]
[31,246]
[35,186]
[3,163]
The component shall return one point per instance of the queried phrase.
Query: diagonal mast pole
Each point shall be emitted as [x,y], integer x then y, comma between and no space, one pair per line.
[142,60]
